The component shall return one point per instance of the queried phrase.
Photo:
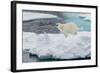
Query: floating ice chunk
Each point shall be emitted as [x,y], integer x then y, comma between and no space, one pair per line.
[35,15]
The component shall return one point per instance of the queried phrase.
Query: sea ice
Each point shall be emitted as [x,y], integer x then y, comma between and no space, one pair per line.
[45,45]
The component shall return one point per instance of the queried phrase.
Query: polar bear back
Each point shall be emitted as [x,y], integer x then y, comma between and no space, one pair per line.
[68,28]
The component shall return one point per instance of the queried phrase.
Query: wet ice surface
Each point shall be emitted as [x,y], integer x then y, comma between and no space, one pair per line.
[56,46]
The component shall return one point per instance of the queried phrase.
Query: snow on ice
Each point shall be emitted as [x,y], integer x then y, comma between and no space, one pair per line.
[74,46]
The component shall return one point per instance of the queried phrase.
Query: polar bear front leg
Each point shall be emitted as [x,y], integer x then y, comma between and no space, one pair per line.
[66,35]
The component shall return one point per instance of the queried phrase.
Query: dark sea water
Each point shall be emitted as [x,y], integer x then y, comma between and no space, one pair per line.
[34,58]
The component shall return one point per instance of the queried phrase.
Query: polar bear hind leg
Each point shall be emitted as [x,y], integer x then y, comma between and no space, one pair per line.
[74,33]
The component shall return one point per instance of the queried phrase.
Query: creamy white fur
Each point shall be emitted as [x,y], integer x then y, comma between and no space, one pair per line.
[68,28]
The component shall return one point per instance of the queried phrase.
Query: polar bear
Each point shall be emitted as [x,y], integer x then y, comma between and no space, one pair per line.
[68,28]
